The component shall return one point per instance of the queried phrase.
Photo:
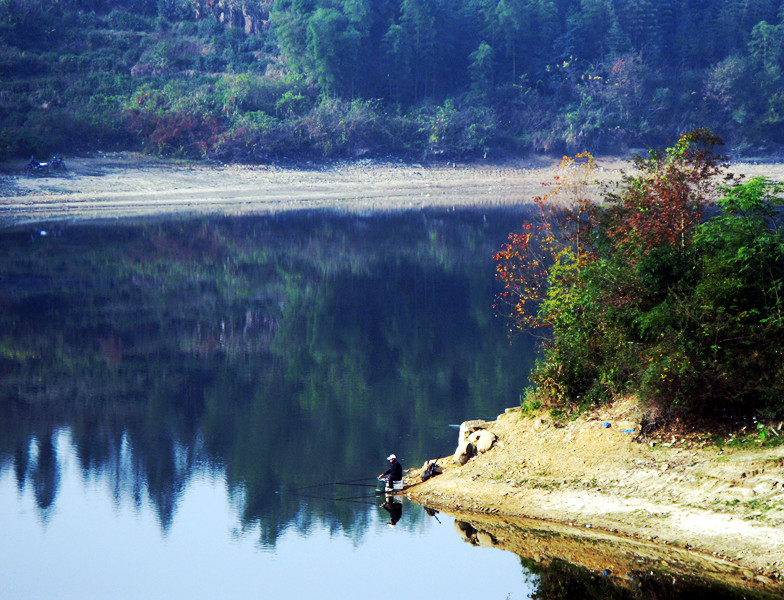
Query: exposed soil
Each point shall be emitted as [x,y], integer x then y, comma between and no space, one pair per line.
[680,501]
[128,185]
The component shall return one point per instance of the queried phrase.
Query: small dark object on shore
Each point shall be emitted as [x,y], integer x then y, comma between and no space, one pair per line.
[431,470]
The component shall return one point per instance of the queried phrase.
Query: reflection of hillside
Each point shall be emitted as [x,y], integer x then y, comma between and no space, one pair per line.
[574,562]
[286,351]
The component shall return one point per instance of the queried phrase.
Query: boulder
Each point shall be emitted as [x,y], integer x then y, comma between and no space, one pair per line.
[482,440]
[484,539]
[465,450]
[469,427]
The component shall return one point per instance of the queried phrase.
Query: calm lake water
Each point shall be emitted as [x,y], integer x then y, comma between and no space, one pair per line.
[197,409]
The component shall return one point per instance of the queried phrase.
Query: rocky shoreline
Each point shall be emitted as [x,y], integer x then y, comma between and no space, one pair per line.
[592,491]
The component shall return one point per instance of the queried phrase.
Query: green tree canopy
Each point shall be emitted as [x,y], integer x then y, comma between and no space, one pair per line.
[684,311]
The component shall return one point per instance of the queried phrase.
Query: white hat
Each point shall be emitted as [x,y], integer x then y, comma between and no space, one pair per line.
[391,457]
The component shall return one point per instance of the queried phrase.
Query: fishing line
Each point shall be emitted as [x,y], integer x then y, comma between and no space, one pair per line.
[362,502]
[356,480]
[346,482]
[370,485]
[354,497]
[310,487]
[312,497]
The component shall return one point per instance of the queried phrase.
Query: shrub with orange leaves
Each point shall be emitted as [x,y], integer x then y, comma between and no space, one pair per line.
[560,234]
[645,296]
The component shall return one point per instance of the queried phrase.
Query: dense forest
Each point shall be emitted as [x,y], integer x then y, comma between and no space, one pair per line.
[260,80]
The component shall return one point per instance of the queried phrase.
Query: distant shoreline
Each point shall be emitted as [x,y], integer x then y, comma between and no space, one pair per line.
[129,186]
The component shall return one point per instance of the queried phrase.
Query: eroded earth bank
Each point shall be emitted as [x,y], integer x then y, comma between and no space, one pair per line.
[596,493]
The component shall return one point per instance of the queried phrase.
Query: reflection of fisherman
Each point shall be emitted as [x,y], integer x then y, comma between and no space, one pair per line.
[393,473]
[394,508]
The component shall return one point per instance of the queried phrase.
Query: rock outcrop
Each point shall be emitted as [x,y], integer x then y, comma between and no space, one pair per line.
[465,450]
[482,440]
[474,438]
[469,427]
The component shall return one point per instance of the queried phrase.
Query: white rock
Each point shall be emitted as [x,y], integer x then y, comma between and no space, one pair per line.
[469,427]
[465,450]
[485,440]
[485,539]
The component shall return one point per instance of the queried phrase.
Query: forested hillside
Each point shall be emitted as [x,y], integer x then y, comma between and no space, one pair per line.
[258,80]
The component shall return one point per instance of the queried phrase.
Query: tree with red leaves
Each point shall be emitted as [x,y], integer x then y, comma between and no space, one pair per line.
[559,235]
[684,312]
[666,200]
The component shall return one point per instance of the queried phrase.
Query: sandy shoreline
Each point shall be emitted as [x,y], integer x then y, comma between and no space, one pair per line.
[683,502]
[126,185]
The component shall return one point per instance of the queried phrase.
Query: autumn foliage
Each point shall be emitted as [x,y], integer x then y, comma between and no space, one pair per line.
[645,294]
[665,201]
[559,235]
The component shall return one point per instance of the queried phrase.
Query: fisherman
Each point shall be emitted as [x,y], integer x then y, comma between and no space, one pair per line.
[393,473]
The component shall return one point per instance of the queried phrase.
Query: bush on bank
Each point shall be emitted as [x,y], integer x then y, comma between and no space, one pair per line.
[672,289]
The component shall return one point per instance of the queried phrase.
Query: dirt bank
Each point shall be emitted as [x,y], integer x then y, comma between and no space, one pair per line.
[127,185]
[585,478]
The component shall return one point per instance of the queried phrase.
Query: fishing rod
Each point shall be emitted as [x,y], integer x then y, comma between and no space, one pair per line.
[365,500]
[346,482]
[370,485]
[354,497]
[312,497]
[433,513]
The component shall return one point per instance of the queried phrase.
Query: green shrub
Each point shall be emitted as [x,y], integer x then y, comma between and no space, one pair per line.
[453,130]
[694,323]
[128,21]
[209,27]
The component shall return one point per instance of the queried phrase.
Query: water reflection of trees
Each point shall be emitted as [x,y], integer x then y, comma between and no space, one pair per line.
[286,351]
[560,580]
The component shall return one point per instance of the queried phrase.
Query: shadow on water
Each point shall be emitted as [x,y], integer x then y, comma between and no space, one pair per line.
[280,351]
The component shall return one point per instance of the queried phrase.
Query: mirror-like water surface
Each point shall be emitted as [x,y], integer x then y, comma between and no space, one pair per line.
[197,409]
[94,543]
[176,396]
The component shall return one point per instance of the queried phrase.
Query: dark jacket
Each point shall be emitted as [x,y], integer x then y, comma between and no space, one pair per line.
[395,510]
[395,471]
